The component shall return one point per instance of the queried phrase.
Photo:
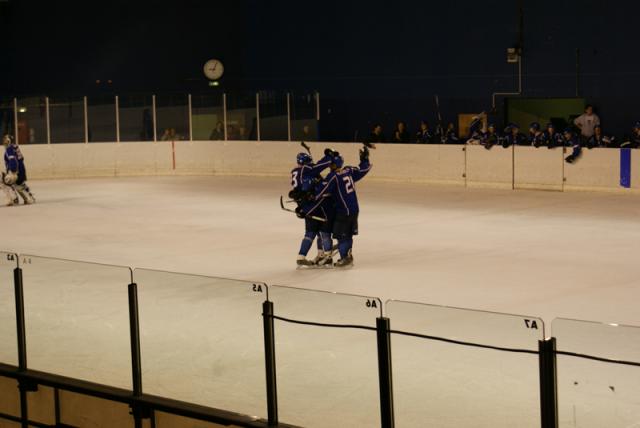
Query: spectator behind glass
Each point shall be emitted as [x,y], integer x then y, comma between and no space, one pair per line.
[632,142]
[450,136]
[424,136]
[166,135]
[376,135]
[401,135]
[217,133]
[232,133]
[586,122]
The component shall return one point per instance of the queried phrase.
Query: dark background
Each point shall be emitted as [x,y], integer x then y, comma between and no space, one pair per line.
[371,61]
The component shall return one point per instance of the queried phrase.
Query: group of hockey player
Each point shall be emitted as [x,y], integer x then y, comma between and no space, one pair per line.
[328,204]
[14,179]
[538,137]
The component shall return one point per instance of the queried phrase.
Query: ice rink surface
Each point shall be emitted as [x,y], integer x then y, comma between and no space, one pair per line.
[538,253]
[541,254]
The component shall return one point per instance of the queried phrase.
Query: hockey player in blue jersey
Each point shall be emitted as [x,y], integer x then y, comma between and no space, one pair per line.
[513,136]
[572,140]
[318,215]
[340,184]
[551,138]
[14,180]
[536,136]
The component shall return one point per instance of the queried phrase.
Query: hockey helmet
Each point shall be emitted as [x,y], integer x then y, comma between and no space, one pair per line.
[535,126]
[568,131]
[303,159]
[551,126]
[337,162]
[636,125]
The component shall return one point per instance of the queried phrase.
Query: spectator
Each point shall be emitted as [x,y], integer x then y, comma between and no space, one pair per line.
[450,136]
[218,133]
[572,140]
[424,136]
[491,137]
[598,139]
[586,122]
[306,133]
[376,135]
[166,135]
[551,138]
[401,135]
[536,136]
[513,136]
[232,132]
[632,142]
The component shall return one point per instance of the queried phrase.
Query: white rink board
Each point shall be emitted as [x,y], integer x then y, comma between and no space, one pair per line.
[490,168]
[635,169]
[538,168]
[596,169]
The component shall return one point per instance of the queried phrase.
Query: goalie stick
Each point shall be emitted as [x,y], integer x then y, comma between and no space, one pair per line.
[322,219]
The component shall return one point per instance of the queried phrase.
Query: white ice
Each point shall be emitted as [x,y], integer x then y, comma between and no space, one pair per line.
[541,254]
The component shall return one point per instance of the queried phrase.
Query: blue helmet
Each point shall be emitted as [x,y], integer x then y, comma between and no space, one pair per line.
[337,161]
[303,159]
[568,131]
[513,125]
[637,124]
[535,126]
[551,125]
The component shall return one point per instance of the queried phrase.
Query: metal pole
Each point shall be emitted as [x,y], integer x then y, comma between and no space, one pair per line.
[139,412]
[48,119]
[317,106]
[15,120]
[224,114]
[385,373]
[190,120]
[86,121]
[153,106]
[22,342]
[117,119]
[270,362]
[258,116]
[288,117]
[548,383]
[577,72]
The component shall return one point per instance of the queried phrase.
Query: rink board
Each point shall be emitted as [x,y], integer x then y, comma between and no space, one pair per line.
[538,168]
[473,166]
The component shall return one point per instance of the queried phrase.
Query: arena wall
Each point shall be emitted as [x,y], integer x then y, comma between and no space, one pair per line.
[472,166]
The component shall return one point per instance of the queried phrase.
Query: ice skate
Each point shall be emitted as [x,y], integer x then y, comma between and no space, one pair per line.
[326,261]
[320,256]
[345,262]
[303,262]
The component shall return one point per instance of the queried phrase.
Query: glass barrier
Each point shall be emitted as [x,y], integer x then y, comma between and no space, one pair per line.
[326,376]
[77,319]
[208,117]
[101,118]
[304,124]
[451,385]
[8,338]
[66,116]
[32,116]
[274,122]
[172,117]
[592,393]
[242,117]
[6,116]
[136,117]
[202,340]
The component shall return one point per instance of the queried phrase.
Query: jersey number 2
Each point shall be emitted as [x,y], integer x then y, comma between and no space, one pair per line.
[348,184]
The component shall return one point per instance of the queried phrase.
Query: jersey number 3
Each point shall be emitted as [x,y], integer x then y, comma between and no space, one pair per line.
[294,180]
[348,184]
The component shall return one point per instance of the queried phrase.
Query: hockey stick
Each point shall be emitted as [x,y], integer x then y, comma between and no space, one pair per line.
[369,145]
[307,148]
[439,127]
[313,217]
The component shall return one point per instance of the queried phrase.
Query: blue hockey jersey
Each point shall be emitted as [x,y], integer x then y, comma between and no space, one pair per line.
[14,161]
[340,185]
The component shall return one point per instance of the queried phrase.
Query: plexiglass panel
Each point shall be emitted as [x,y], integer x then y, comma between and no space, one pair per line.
[593,394]
[242,116]
[101,117]
[32,118]
[8,340]
[327,377]
[172,116]
[136,117]
[451,385]
[77,319]
[274,122]
[67,119]
[304,124]
[202,340]
[208,117]
[6,116]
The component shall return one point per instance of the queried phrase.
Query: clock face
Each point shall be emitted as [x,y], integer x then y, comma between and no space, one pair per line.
[213,69]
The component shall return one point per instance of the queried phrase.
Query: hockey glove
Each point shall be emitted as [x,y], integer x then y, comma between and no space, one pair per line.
[364,154]
[330,152]
[10,178]
[300,213]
